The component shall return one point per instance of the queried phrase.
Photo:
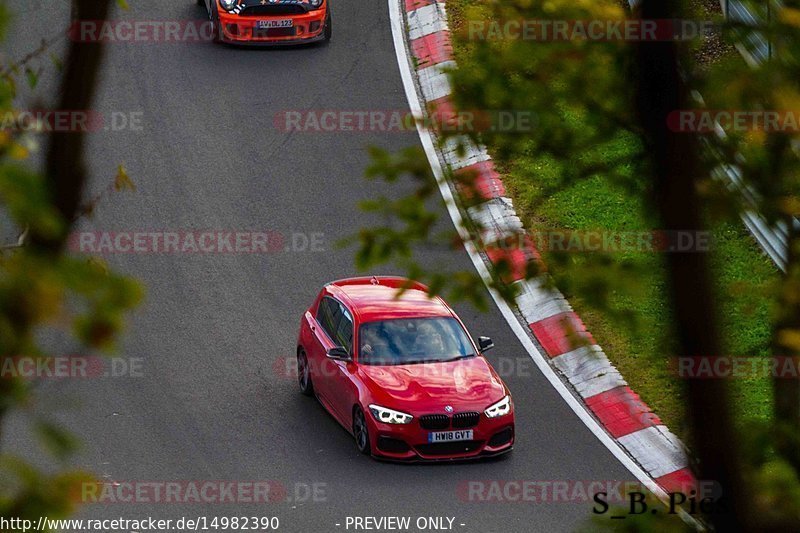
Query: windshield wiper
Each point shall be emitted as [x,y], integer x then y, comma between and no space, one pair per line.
[462,357]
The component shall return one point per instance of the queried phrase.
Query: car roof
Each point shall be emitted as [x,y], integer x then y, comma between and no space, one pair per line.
[375,298]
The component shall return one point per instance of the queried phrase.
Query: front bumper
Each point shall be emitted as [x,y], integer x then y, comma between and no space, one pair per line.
[409,442]
[306,28]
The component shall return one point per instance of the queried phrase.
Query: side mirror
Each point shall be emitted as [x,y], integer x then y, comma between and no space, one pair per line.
[485,343]
[339,353]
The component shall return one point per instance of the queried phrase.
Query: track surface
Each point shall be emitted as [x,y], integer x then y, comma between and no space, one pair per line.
[210,405]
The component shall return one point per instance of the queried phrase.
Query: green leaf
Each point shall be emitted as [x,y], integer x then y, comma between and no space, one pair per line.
[32,77]
[56,440]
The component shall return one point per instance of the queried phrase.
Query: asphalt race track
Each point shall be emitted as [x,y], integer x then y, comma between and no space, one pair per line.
[211,403]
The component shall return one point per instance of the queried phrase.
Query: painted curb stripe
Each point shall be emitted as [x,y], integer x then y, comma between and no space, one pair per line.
[514,258]
[496,220]
[411,5]
[536,301]
[442,114]
[427,19]
[656,449]
[434,81]
[682,480]
[515,261]
[484,179]
[560,333]
[621,411]
[434,154]
[460,152]
[432,49]
[588,370]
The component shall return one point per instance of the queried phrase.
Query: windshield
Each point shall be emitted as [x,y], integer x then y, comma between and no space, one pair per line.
[416,340]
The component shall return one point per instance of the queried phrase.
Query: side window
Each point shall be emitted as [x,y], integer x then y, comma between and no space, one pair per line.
[325,316]
[336,321]
[345,331]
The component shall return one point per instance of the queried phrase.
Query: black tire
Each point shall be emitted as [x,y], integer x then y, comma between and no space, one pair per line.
[328,31]
[304,374]
[361,431]
[213,17]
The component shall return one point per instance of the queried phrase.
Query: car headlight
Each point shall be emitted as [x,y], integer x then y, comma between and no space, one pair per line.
[389,416]
[228,5]
[503,407]
[315,3]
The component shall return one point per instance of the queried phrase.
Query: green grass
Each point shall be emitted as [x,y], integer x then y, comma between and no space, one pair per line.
[631,323]
[746,279]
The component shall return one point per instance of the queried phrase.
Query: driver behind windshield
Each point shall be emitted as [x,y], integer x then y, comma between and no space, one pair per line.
[429,342]
[411,341]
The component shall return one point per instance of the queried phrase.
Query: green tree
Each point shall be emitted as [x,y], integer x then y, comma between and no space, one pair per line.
[43,288]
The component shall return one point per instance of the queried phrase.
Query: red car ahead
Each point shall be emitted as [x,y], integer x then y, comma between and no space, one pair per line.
[401,373]
[266,22]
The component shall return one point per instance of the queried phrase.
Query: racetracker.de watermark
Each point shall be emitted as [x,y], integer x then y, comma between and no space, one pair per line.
[601,241]
[195,242]
[563,491]
[141,31]
[285,367]
[733,120]
[70,121]
[70,367]
[402,121]
[735,367]
[598,30]
[201,491]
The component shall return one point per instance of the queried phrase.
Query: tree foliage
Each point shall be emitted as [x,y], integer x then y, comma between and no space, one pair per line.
[43,289]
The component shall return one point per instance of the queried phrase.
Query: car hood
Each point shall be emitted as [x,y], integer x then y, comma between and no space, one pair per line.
[465,384]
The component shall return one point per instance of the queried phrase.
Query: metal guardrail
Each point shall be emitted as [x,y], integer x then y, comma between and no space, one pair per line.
[771,239]
[755,49]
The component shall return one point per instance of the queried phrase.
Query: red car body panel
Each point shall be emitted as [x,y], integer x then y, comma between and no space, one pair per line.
[467,385]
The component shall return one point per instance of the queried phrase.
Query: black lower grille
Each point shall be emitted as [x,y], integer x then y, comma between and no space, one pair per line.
[466,420]
[274,32]
[501,437]
[269,10]
[434,421]
[391,445]
[449,448]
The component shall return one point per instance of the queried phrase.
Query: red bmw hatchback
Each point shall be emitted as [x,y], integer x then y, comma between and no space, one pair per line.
[402,374]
